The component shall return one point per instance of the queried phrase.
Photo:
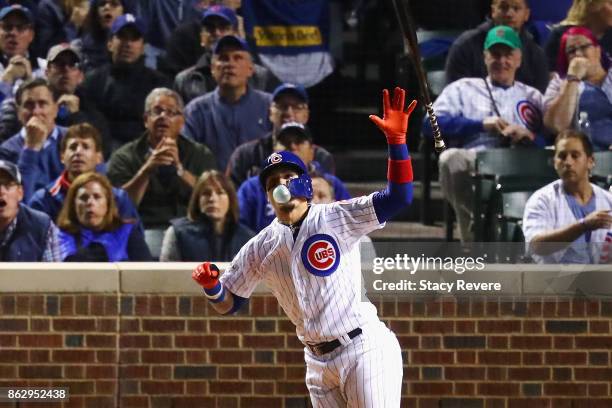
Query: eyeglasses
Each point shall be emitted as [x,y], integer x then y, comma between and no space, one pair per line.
[284,107]
[7,28]
[573,50]
[157,111]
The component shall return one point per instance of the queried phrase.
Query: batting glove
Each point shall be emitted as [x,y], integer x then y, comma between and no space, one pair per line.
[394,123]
[206,274]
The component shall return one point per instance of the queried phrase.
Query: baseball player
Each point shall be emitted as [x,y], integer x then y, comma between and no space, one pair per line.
[309,258]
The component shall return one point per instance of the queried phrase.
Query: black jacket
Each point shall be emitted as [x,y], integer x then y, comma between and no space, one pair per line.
[119,92]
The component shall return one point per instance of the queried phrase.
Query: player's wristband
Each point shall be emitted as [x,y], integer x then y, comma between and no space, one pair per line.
[399,171]
[215,294]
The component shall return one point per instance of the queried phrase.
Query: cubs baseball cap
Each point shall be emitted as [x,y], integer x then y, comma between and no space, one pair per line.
[503,35]
[293,89]
[58,49]
[231,41]
[225,13]
[126,20]
[11,169]
[17,8]
[281,159]
[294,128]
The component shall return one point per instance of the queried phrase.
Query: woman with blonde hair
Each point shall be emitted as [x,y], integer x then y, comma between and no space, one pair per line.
[211,229]
[596,15]
[90,226]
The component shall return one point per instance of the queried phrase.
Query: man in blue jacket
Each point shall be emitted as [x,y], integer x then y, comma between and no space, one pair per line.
[26,235]
[35,149]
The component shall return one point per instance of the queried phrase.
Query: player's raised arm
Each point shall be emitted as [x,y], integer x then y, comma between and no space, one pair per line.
[394,124]
[207,276]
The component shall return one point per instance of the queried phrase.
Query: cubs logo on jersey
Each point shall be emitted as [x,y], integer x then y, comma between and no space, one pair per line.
[320,255]
[529,115]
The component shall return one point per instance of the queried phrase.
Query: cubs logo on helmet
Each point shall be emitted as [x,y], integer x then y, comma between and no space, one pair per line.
[529,115]
[320,255]
[275,158]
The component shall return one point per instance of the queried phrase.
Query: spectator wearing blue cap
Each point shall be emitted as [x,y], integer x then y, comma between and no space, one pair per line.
[217,21]
[192,39]
[234,112]
[119,90]
[290,103]
[164,16]
[256,212]
[93,43]
[57,22]
[26,235]
[16,36]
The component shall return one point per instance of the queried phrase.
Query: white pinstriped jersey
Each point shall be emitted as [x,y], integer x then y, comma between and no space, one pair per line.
[519,104]
[317,279]
[547,209]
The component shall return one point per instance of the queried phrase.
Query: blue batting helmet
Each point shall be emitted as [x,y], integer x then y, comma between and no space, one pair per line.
[299,187]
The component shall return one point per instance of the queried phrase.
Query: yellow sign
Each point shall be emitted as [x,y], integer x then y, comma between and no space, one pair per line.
[287,36]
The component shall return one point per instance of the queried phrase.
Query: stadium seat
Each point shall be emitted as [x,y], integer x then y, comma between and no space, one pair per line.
[602,172]
[506,170]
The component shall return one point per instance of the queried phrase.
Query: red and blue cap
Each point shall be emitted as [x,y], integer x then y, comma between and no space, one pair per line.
[300,186]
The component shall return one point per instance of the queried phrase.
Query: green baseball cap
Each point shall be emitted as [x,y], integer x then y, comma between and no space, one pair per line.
[502,34]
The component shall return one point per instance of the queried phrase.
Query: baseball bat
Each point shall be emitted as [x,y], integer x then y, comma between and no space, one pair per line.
[411,46]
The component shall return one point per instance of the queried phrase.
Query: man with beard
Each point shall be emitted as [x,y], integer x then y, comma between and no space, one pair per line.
[309,259]
[569,220]
[480,113]
[159,169]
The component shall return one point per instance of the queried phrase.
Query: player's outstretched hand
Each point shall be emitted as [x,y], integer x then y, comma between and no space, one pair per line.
[206,274]
[394,123]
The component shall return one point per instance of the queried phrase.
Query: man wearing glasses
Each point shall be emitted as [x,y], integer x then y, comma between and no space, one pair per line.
[16,35]
[289,104]
[159,169]
[26,235]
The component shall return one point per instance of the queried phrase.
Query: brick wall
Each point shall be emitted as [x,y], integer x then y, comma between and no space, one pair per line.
[168,350]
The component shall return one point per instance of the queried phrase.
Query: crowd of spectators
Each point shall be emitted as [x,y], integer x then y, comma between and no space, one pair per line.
[122,117]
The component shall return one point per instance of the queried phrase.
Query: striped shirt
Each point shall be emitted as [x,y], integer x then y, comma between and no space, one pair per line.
[317,278]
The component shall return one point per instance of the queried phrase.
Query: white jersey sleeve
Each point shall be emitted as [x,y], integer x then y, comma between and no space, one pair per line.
[244,274]
[352,219]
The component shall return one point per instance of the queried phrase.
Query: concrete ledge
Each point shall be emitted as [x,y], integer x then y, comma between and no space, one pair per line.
[59,277]
[174,277]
